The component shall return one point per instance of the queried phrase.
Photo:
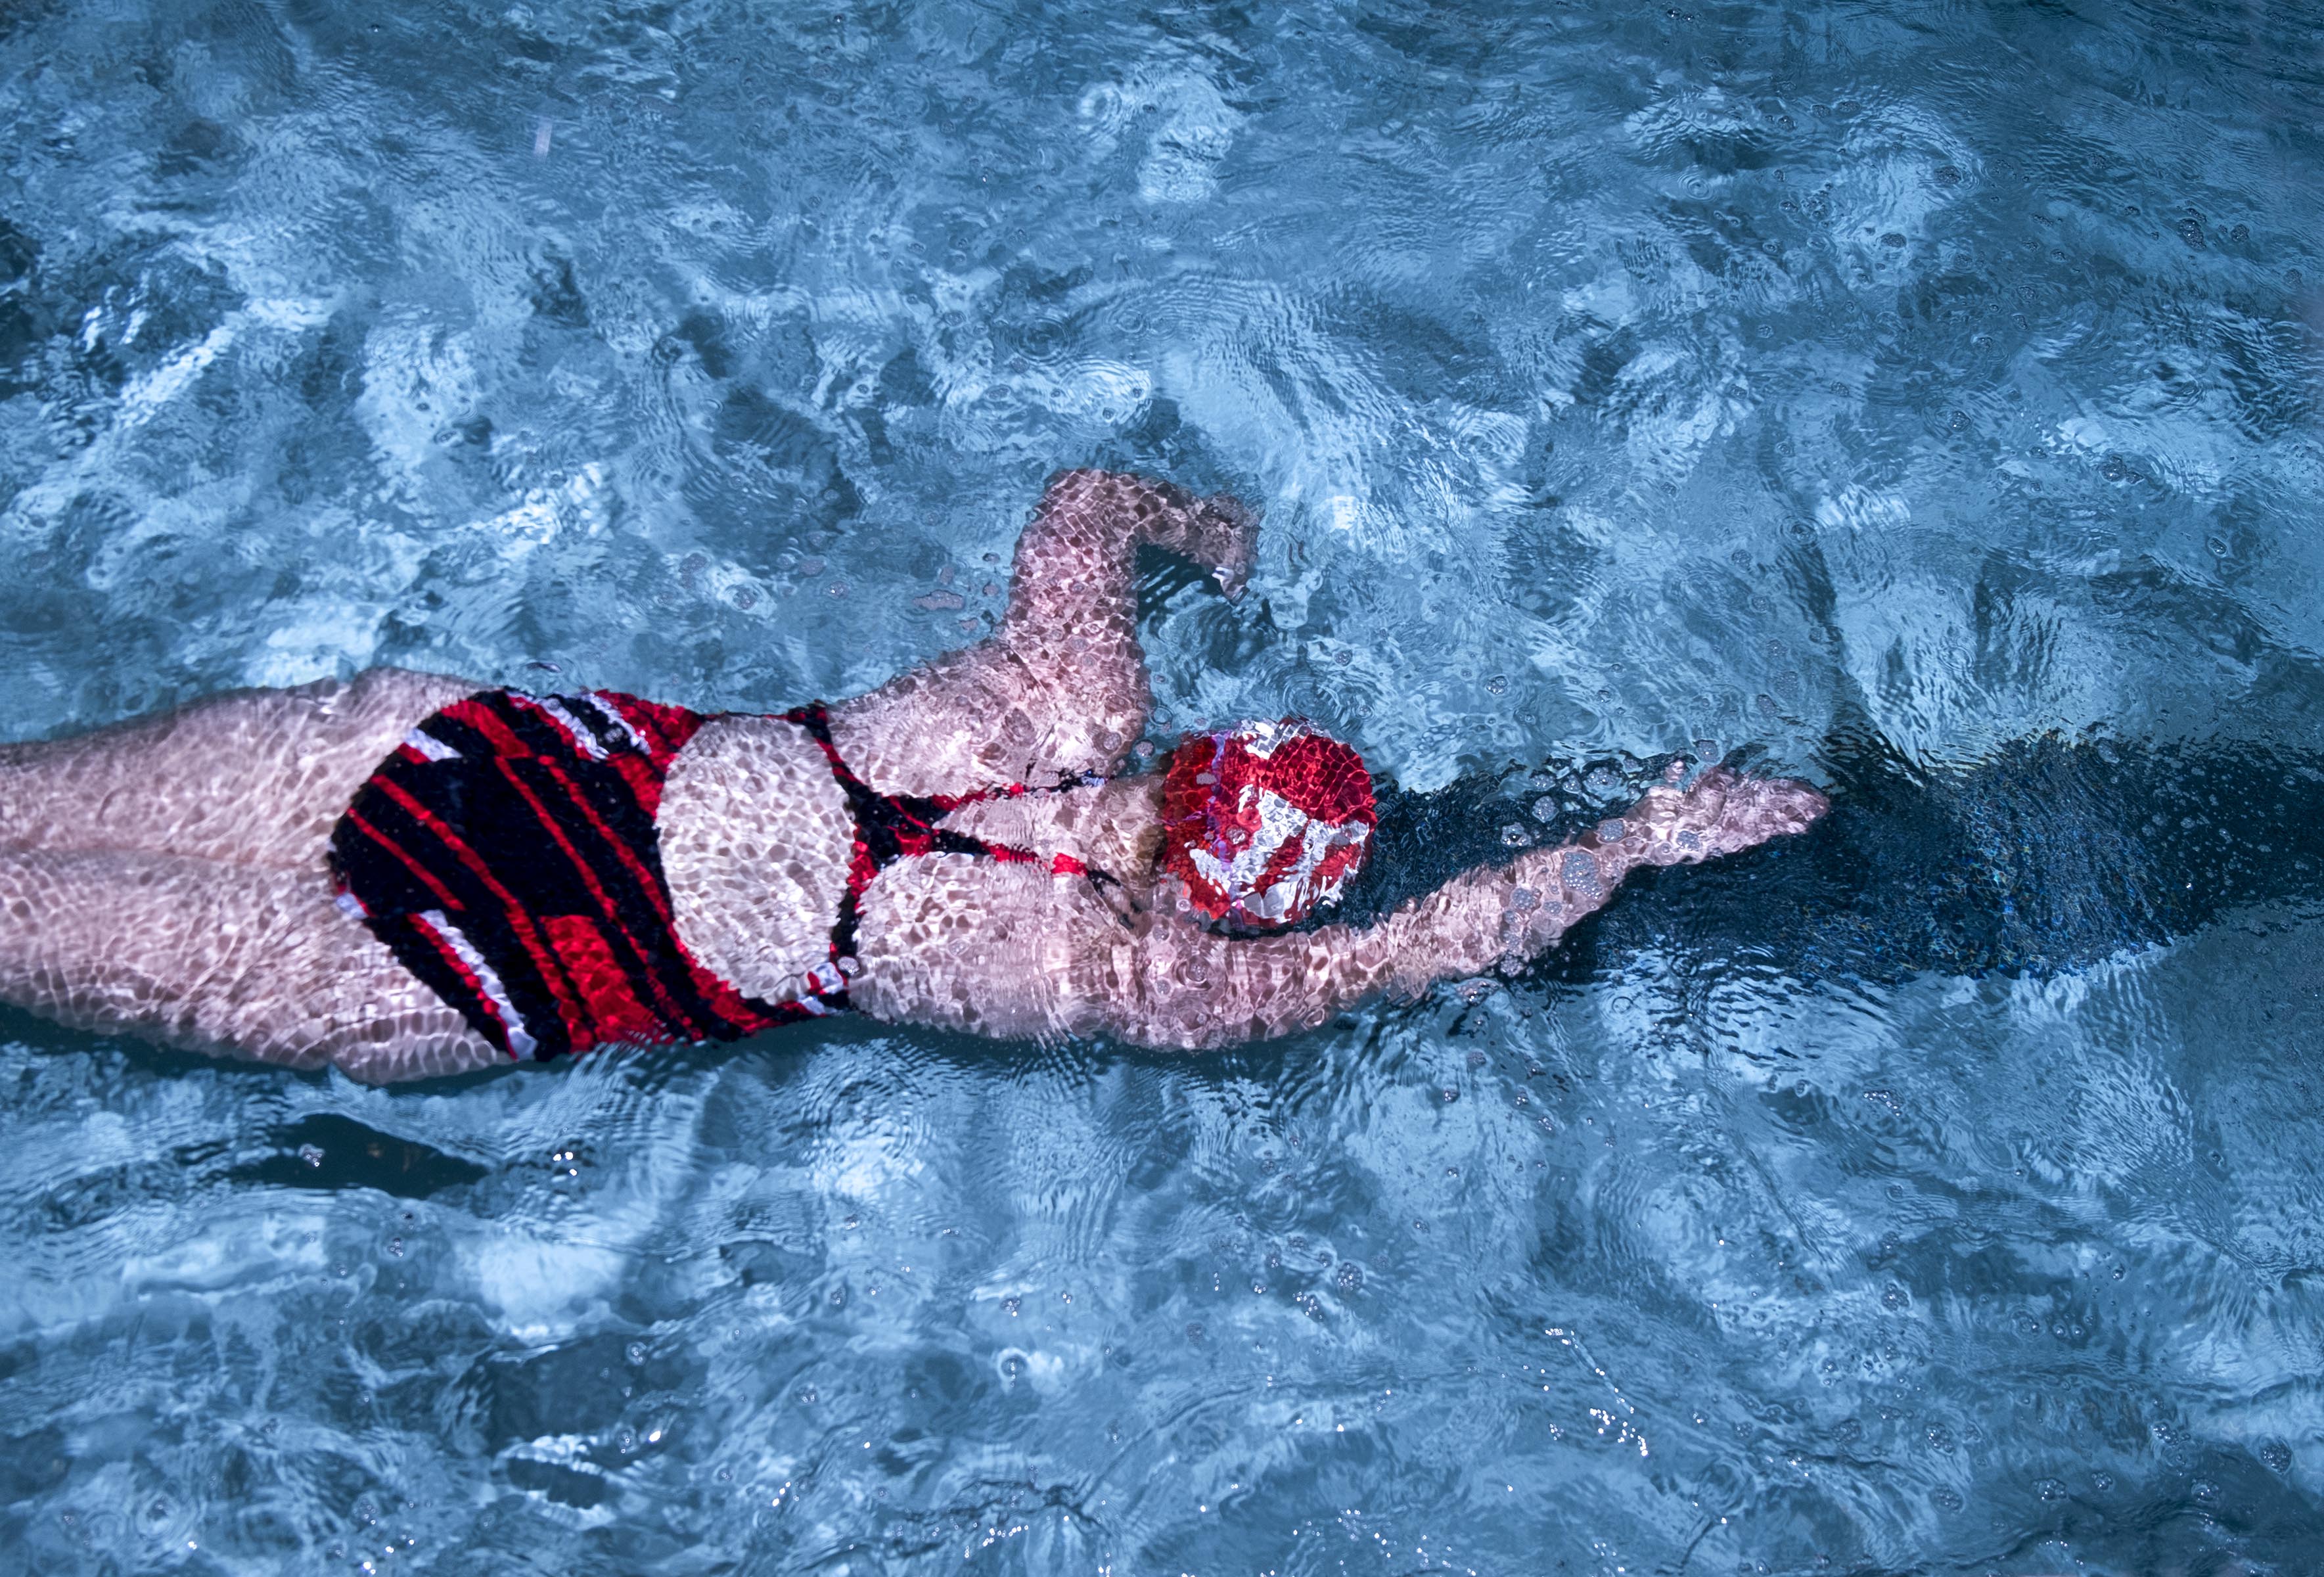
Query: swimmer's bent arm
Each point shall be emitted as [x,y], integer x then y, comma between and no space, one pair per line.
[1177,985]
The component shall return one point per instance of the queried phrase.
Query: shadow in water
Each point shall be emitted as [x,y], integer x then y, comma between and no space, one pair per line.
[325,1151]
[2050,855]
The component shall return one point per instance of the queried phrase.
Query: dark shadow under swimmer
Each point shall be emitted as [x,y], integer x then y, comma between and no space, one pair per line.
[2052,856]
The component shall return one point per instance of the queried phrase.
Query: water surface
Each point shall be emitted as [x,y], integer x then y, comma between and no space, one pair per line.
[1922,396]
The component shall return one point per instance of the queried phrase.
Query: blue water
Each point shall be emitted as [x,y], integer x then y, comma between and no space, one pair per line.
[1924,395]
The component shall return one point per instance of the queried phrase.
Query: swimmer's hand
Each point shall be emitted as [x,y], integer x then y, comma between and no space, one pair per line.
[1547,891]
[1721,813]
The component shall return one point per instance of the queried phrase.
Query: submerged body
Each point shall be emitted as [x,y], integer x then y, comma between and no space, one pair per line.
[174,877]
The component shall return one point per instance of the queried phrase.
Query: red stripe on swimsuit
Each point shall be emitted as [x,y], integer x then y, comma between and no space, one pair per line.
[507,852]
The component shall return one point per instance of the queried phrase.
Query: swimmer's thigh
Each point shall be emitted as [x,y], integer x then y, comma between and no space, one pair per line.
[256,776]
[224,959]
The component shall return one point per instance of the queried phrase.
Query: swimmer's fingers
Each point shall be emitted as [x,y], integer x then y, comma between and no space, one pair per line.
[1757,809]
[1722,813]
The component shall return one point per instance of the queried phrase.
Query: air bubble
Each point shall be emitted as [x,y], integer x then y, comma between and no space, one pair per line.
[1578,871]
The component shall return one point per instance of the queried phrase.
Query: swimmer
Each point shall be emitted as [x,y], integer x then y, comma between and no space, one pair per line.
[409,875]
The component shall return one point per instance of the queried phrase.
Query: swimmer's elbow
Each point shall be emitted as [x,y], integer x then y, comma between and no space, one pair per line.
[1187,991]
[1184,990]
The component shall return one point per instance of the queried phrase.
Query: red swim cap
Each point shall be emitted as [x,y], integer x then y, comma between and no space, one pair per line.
[1262,824]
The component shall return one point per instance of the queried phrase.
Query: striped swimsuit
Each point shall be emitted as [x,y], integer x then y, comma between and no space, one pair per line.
[507,855]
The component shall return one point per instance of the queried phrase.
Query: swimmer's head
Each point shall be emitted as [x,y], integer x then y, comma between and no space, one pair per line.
[1263,824]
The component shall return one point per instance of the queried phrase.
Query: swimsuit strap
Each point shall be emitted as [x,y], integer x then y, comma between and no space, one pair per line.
[889,828]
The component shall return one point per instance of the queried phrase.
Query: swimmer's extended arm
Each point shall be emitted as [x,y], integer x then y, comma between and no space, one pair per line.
[1187,987]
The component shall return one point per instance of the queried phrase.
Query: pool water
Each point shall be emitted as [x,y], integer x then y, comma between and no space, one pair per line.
[1923,397]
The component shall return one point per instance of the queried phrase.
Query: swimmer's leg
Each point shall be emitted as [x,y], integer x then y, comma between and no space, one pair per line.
[1061,688]
[257,776]
[212,957]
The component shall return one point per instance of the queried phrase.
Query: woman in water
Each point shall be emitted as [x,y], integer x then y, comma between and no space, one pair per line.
[406,875]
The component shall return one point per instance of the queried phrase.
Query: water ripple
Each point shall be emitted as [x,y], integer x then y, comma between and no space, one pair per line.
[1926,403]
